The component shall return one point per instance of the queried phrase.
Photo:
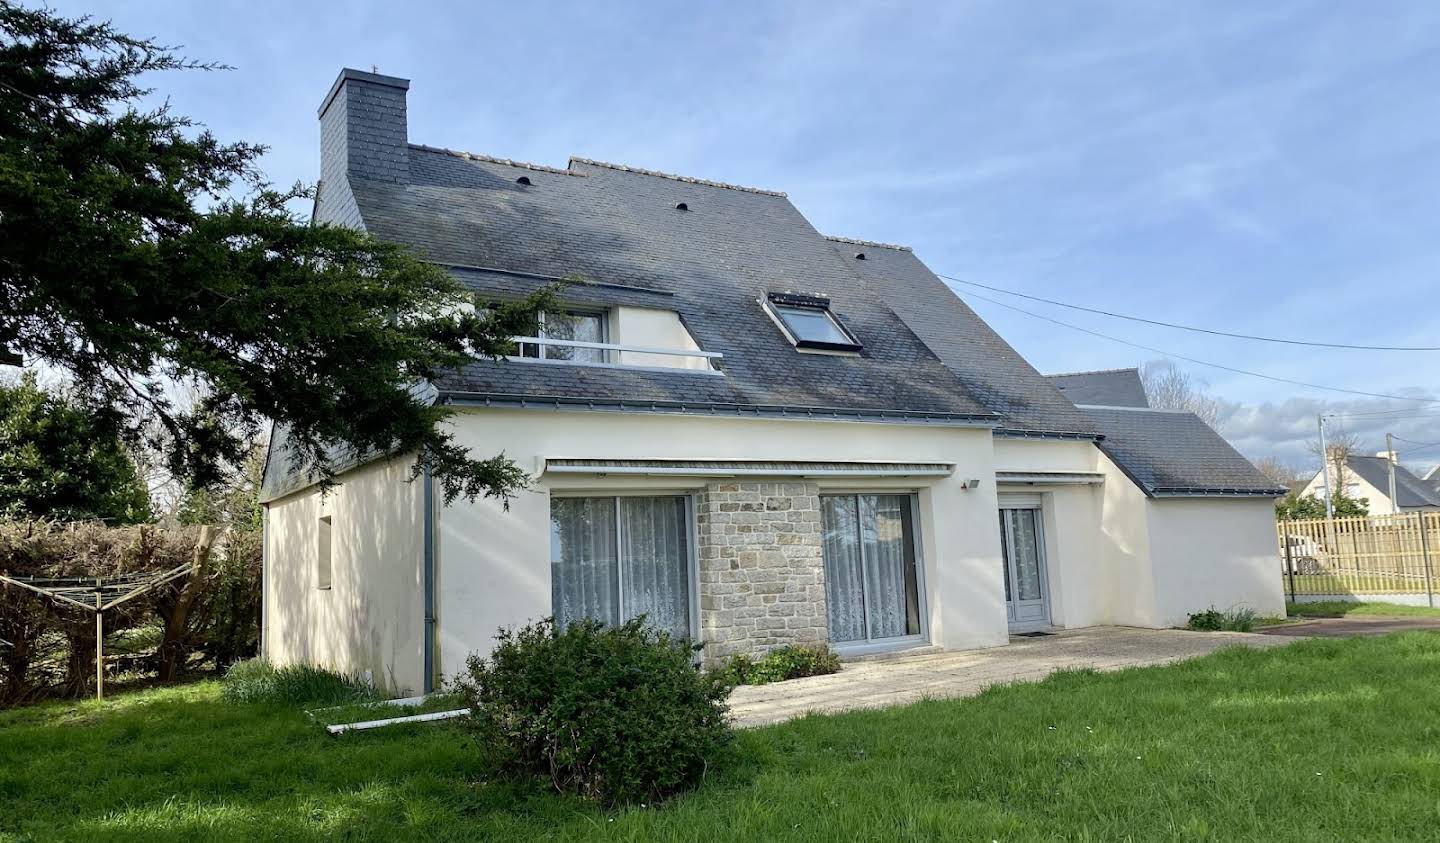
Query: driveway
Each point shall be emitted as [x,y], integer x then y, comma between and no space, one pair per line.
[1350,627]
[906,679]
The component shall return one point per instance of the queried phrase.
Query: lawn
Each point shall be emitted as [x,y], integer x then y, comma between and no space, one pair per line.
[1324,739]
[1342,608]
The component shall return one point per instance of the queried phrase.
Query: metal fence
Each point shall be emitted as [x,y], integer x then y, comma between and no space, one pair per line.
[1379,556]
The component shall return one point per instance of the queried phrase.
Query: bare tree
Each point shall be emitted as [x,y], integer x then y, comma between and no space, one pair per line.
[1340,446]
[1281,471]
[1171,388]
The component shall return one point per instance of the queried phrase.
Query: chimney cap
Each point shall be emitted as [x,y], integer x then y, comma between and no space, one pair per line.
[350,73]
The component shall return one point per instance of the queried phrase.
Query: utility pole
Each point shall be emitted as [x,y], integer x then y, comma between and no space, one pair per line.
[1390,454]
[1325,469]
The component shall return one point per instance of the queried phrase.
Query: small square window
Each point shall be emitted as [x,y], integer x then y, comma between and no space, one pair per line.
[323,568]
[810,324]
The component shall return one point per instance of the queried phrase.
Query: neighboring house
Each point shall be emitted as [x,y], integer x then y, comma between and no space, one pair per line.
[1368,479]
[754,434]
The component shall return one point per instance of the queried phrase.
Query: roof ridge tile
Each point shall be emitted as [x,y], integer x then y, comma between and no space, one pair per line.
[575,159]
[508,162]
[855,242]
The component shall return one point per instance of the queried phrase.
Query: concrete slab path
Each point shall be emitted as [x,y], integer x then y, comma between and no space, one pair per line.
[1349,627]
[906,679]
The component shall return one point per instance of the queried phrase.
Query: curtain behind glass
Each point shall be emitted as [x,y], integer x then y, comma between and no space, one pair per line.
[654,562]
[582,560]
[1027,554]
[844,582]
[889,566]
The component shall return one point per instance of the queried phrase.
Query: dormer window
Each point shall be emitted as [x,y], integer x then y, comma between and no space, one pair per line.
[809,324]
[585,326]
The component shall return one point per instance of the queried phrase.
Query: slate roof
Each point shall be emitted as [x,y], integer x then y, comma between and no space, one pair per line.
[1411,490]
[1171,454]
[712,264]
[1107,387]
[988,365]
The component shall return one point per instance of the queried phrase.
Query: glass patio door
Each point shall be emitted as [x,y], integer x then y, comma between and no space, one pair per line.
[616,558]
[1023,551]
[872,587]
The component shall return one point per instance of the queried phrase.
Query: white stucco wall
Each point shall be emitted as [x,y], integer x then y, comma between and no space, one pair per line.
[653,328]
[1214,552]
[371,619]
[1072,517]
[494,567]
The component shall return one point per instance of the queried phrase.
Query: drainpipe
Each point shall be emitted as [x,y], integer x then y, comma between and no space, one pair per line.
[264,572]
[428,573]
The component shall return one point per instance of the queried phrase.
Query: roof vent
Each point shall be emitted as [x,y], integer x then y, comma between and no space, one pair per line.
[525,180]
[681,206]
[859,256]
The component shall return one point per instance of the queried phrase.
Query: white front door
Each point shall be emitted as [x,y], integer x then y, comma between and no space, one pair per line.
[1022,539]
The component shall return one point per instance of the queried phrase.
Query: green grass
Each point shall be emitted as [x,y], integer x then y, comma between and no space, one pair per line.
[1321,740]
[1342,608]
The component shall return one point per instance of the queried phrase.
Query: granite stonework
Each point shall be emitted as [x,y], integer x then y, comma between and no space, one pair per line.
[762,578]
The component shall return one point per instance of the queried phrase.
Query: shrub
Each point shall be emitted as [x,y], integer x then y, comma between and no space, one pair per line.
[258,681]
[789,662]
[615,714]
[1214,620]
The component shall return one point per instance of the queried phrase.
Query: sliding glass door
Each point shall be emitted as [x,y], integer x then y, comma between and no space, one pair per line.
[872,581]
[616,558]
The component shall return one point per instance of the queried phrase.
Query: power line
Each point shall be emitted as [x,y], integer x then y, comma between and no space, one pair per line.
[1199,362]
[1191,327]
[1418,444]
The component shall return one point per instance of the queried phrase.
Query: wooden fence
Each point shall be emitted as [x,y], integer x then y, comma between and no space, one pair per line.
[1375,555]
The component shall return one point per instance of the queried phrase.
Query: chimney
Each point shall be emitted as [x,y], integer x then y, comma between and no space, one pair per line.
[363,129]
[1389,455]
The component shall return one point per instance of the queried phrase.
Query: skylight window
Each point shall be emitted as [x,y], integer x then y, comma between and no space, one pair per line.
[808,322]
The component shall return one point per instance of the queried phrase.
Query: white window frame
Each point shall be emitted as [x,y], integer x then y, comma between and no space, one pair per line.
[917,541]
[325,553]
[773,310]
[543,351]
[692,556]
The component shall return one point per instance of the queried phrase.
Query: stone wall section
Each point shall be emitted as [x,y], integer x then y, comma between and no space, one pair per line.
[762,578]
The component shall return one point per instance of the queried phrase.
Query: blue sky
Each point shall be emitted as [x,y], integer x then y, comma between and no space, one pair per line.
[1268,168]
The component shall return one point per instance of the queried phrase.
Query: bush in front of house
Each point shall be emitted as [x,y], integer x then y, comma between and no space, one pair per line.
[789,662]
[615,714]
[1214,620]
[258,681]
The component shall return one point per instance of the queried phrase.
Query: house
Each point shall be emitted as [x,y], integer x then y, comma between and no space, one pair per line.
[752,433]
[1368,479]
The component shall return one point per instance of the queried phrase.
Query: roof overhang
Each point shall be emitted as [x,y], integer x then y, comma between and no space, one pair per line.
[1163,492]
[703,408]
[1050,478]
[744,468]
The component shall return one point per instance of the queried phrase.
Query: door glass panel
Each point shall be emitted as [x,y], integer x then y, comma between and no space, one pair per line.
[1027,554]
[654,562]
[889,566]
[583,574]
[844,581]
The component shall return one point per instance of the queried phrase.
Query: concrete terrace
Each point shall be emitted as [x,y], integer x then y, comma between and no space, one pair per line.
[907,679]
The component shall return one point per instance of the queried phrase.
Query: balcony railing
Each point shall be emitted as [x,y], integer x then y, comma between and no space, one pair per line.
[611,354]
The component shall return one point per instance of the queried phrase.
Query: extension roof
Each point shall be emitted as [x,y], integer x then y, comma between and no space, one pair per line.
[1106,387]
[1175,454]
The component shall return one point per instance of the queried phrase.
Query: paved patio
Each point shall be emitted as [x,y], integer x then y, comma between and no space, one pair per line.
[905,679]
[1350,627]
